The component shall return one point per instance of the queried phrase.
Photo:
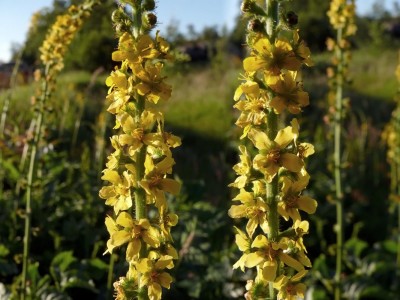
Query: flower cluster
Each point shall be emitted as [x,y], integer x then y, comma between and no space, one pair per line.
[341,15]
[138,171]
[391,135]
[271,174]
[61,34]
[342,18]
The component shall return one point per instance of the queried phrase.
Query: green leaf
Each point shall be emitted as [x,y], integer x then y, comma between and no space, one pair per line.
[62,261]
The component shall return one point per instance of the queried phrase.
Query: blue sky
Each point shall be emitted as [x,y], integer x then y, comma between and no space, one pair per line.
[15,16]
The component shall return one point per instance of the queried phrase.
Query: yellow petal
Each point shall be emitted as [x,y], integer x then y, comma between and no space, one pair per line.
[284,137]
[254,259]
[124,219]
[260,241]
[291,162]
[269,270]
[260,139]
[291,262]
[170,186]
[307,204]
[120,237]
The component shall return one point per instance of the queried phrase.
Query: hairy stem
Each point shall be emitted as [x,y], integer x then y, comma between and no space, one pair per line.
[272,129]
[337,166]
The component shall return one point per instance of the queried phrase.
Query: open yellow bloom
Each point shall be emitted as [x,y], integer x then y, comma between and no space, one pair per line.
[134,51]
[244,244]
[134,232]
[293,201]
[252,208]
[156,184]
[151,84]
[272,153]
[253,107]
[272,58]
[118,194]
[153,275]
[290,288]
[288,93]
[267,257]
[243,168]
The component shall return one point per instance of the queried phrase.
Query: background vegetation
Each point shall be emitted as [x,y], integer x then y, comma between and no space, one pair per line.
[68,217]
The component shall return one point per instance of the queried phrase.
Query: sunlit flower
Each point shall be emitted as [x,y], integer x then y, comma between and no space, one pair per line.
[153,275]
[156,184]
[267,257]
[272,153]
[289,287]
[252,208]
[134,232]
[288,93]
[292,201]
[272,58]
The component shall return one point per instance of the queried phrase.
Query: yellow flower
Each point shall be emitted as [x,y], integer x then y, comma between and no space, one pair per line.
[272,58]
[272,153]
[243,168]
[303,149]
[244,244]
[292,200]
[119,92]
[153,275]
[118,194]
[112,227]
[166,222]
[156,184]
[267,257]
[290,288]
[135,133]
[251,208]
[253,107]
[134,51]
[151,84]
[288,93]
[133,233]
[301,50]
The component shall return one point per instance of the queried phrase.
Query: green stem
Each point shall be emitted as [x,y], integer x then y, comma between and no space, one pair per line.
[110,276]
[272,190]
[337,166]
[30,177]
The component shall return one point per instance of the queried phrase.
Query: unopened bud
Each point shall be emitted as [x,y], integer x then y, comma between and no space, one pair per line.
[149,5]
[149,19]
[249,6]
[292,19]
[256,25]
[117,16]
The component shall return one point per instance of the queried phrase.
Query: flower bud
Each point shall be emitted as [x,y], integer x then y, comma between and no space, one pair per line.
[249,6]
[117,16]
[292,19]
[256,25]
[149,20]
[149,5]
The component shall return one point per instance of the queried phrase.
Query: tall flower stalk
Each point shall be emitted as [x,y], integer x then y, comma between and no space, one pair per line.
[52,53]
[341,15]
[271,171]
[391,135]
[138,171]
